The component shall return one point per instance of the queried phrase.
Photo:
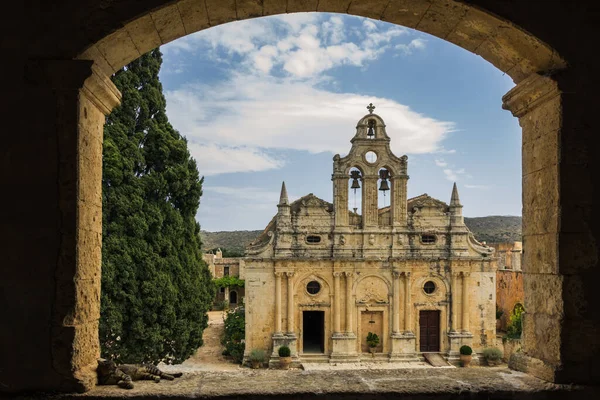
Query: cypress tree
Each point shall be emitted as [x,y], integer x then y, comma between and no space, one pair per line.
[156,289]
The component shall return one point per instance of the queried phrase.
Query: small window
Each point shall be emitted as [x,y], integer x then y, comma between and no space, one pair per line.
[427,239]
[222,290]
[313,239]
[226,271]
[429,287]
[313,287]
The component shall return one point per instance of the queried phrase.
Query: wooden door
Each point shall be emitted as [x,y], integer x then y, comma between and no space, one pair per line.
[429,330]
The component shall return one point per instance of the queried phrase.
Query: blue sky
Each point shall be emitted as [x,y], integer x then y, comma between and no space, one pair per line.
[271,99]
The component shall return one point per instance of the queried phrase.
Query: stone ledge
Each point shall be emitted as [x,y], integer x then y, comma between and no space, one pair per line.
[426,383]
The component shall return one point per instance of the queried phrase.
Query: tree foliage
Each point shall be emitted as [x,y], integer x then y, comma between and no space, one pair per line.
[235,333]
[229,281]
[515,326]
[156,289]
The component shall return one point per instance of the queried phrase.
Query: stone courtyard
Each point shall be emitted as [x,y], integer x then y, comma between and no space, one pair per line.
[472,382]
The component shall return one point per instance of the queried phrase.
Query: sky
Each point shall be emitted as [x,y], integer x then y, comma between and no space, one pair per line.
[273,99]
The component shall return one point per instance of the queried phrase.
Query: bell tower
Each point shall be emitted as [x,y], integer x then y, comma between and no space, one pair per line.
[373,171]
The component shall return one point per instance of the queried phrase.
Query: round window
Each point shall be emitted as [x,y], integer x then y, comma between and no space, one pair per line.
[371,156]
[313,287]
[429,287]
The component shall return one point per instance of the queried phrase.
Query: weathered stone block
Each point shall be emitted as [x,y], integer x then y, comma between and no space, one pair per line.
[543,294]
[168,22]
[272,7]
[220,11]
[143,34]
[540,254]
[578,253]
[302,6]
[540,189]
[541,152]
[442,17]
[369,8]
[118,49]
[337,6]
[541,336]
[249,8]
[194,15]
[540,220]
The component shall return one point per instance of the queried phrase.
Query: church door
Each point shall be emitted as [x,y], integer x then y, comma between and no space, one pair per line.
[313,331]
[429,327]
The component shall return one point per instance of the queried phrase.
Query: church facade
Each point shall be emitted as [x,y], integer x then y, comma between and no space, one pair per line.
[322,276]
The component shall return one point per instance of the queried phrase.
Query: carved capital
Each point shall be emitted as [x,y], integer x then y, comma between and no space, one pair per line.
[278,274]
[349,274]
[465,274]
[529,94]
[406,274]
[289,274]
[337,274]
[396,274]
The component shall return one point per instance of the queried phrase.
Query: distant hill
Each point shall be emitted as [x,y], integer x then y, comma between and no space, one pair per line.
[230,240]
[492,229]
[495,228]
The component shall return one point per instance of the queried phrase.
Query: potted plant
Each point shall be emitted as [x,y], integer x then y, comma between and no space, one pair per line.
[372,342]
[492,356]
[257,358]
[465,355]
[285,357]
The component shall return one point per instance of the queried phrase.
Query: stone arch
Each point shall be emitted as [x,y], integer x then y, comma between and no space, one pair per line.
[371,287]
[439,280]
[144,27]
[300,286]
[549,106]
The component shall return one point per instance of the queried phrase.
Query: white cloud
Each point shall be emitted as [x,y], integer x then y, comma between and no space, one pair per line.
[407,49]
[213,159]
[258,112]
[274,100]
[482,187]
[441,163]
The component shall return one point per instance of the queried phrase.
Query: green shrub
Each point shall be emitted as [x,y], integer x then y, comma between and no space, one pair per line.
[492,354]
[515,326]
[284,351]
[257,355]
[372,339]
[466,350]
[233,338]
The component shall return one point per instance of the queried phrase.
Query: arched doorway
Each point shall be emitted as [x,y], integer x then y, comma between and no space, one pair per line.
[233,297]
[557,183]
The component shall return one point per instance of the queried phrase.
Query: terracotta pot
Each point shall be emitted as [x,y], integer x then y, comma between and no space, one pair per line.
[284,362]
[372,351]
[465,360]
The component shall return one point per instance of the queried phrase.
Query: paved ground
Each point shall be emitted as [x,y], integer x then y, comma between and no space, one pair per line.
[473,382]
[208,357]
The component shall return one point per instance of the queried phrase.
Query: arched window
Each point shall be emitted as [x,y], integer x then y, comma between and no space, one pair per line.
[355,196]
[233,297]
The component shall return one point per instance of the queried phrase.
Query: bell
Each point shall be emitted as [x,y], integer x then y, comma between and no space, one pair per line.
[384,174]
[371,131]
[355,184]
[384,185]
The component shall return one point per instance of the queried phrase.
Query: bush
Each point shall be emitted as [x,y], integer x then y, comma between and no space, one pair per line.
[515,326]
[372,339]
[466,350]
[257,355]
[284,351]
[235,334]
[499,312]
[492,354]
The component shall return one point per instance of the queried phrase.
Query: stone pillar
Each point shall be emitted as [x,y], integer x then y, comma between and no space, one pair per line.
[340,199]
[278,303]
[369,201]
[290,302]
[336,304]
[398,202]
[349,306]
[407,304]
[465,301]
[454,288]
[52,228]
[561,322]
[396,304]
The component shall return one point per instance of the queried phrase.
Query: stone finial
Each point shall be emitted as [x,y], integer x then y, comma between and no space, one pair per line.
[283,197]
[370,107]
[455,200]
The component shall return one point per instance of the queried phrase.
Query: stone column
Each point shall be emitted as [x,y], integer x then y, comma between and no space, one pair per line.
[336,304]
[53,227]
[407,305]
[340,199]
[349,306]
[454,290]
[465,301]
[369,201]
[396,304]
[278,303]
[290,302]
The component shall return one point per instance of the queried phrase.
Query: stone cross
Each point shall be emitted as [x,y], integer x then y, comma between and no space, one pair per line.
[370,107]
